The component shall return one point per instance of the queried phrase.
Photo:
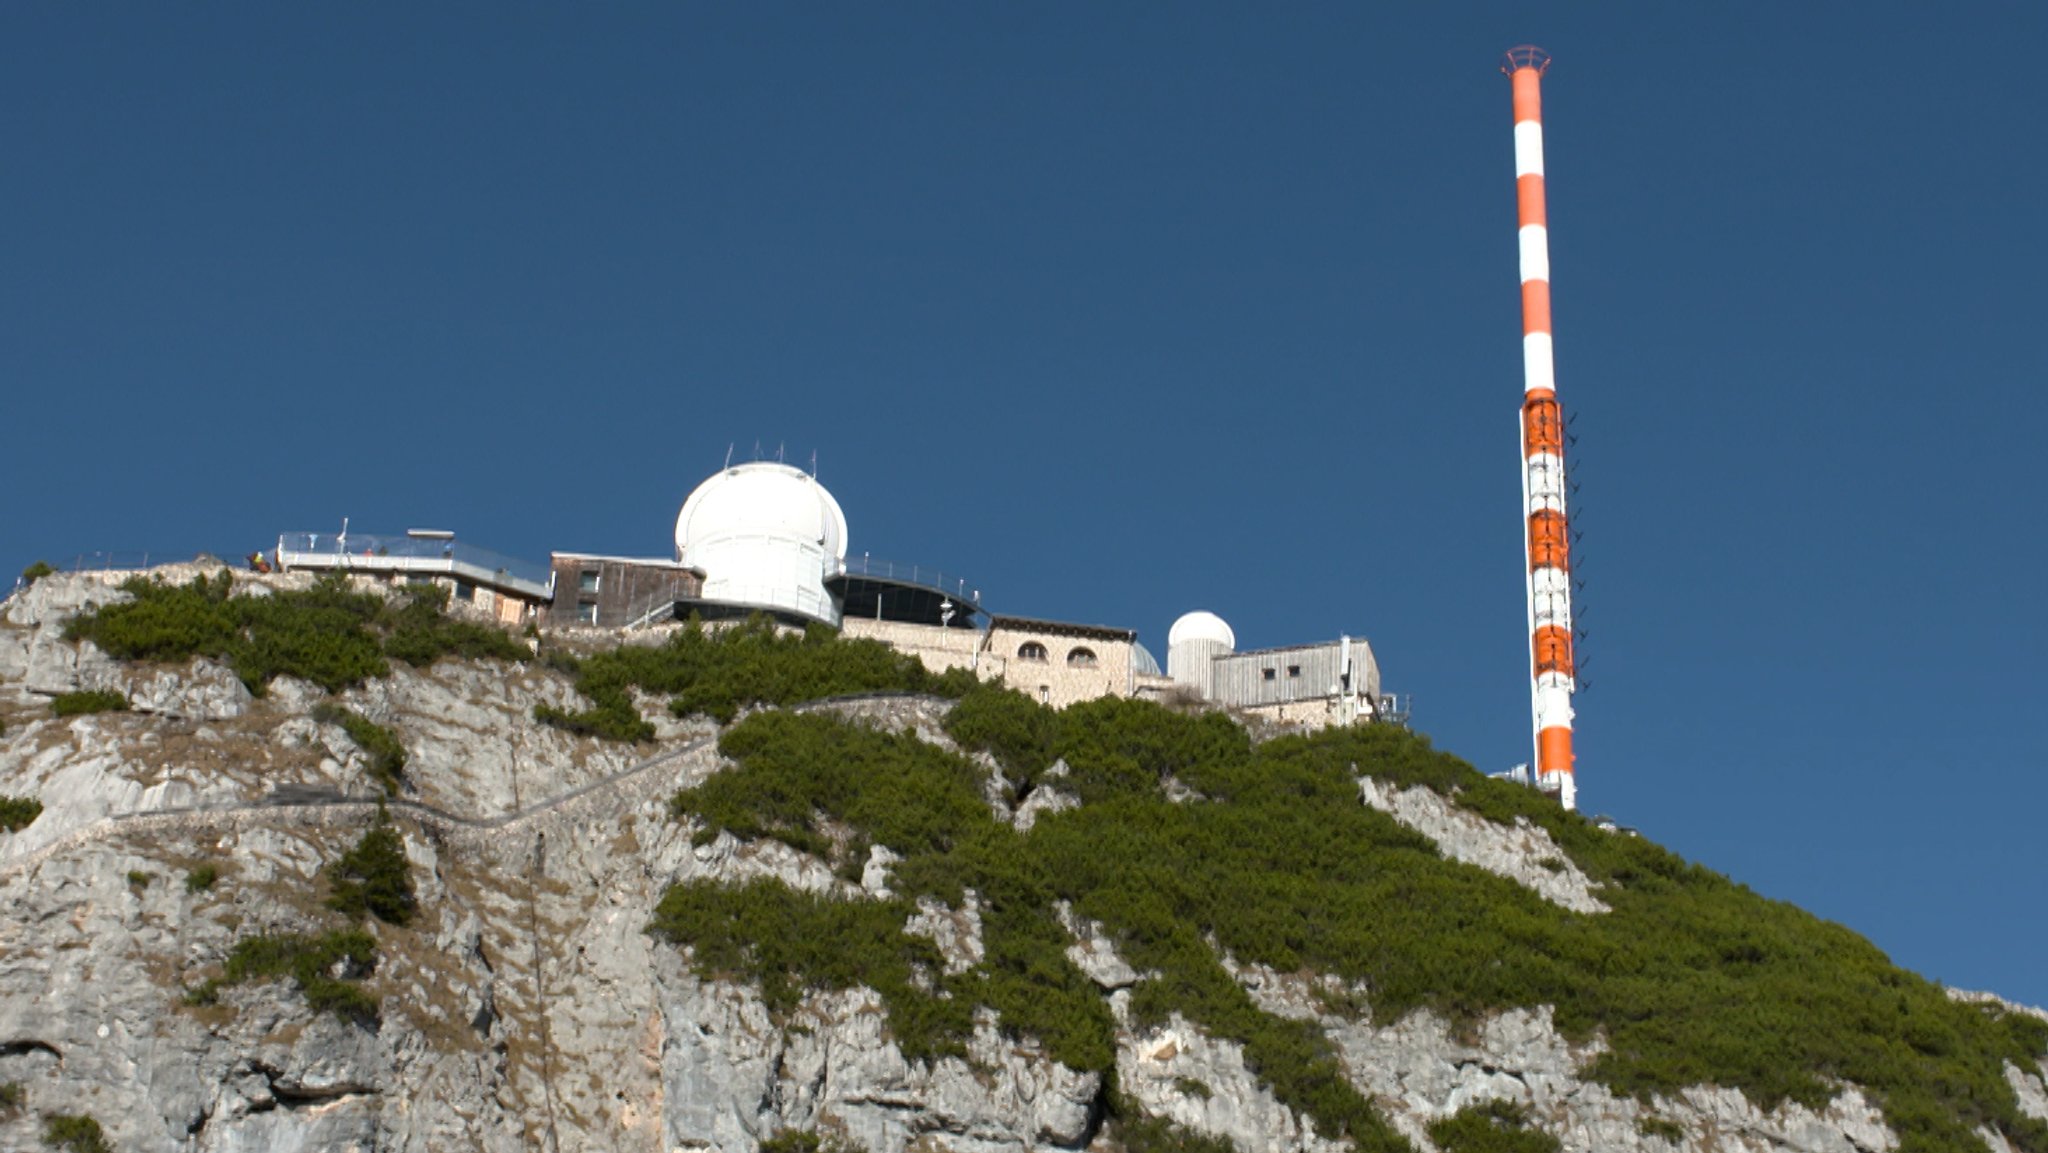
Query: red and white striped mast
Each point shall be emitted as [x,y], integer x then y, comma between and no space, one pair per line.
[1552,676]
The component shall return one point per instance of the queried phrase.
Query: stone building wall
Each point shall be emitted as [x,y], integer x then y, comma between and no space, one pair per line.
[1059,664]
[939,648]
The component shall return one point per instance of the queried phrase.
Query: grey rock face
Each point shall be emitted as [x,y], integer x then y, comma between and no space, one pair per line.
[528,1008]
[2030,1088]
[1520,852]
[732,1076]
[1180,1073]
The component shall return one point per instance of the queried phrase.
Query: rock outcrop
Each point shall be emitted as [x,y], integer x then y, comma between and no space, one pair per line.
[527,1007]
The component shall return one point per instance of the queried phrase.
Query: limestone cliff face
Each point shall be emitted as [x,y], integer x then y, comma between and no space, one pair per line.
[528,1008]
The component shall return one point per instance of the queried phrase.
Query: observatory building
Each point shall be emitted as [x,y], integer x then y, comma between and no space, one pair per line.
[766,537]
[1330,682]
[760,537]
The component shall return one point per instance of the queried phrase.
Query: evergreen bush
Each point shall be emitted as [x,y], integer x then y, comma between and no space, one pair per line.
[36,572]
[374,878]
[1491,1127]
[88,701]
[202,878]
[329,634]
[1143,1133]
[17,813]
[75,1133]
[312,963]
[1662,1127]
[717,673]
[806,1141]
[1691,979]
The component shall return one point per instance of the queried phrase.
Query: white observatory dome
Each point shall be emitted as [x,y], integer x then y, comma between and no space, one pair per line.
[1192,646]
[766,536]
[1201,626]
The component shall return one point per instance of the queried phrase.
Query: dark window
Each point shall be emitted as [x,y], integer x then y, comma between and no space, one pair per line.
[1082,658]
[1031,651]
[586,613]
[586,581]
[465,591]
[1293,670]
[1266,673]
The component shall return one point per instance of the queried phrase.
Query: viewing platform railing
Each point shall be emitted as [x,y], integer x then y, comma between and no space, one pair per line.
[385,553]
[923,576]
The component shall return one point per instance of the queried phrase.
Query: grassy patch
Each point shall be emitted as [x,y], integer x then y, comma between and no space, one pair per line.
[329,634]
[88,701]
[17,813]
[311,962]
[12,1098]
[36,572]
[379,744]
[718,673]
[1691,978]
[138,879]
[374,878]
[202,878]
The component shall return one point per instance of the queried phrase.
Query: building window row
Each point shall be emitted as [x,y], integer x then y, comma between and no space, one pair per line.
[1079,658]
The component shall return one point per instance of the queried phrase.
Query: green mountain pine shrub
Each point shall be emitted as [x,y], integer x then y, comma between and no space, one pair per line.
[75,1133]
[374,878]
[311,962]
[1491,1127]
[18,813]
[88,701]
[329,634]
[719,672]
[1691,978]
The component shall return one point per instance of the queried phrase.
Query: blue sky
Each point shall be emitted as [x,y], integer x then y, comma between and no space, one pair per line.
[1129,310]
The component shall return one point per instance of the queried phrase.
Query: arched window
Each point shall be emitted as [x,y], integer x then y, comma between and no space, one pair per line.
[1031,651]
[1081,659]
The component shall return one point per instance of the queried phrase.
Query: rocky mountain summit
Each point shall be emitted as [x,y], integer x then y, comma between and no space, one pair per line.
[887,920]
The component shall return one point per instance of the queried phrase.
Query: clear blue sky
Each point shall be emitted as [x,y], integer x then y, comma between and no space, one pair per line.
[1125,311]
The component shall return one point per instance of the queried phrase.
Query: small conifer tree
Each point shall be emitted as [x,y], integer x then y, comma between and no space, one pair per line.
[374,877]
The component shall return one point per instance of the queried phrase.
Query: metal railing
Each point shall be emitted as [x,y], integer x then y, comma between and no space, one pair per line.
[128,560]
[924,576]
[382,552]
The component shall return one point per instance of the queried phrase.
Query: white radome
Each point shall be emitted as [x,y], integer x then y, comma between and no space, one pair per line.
[765,534]
[1201,626]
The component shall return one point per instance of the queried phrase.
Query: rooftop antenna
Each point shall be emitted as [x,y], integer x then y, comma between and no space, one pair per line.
[729,446]
[1553,679]
[778,452]
[814,464]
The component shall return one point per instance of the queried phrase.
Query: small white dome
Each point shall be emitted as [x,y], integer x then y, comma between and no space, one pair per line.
[761,499]
[766,535]
[1201,626]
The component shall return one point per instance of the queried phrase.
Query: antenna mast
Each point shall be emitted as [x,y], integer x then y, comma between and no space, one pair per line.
[1546,534]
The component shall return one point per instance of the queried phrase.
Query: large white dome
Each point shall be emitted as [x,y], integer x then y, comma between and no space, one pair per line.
[766,535]
[1201,626]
